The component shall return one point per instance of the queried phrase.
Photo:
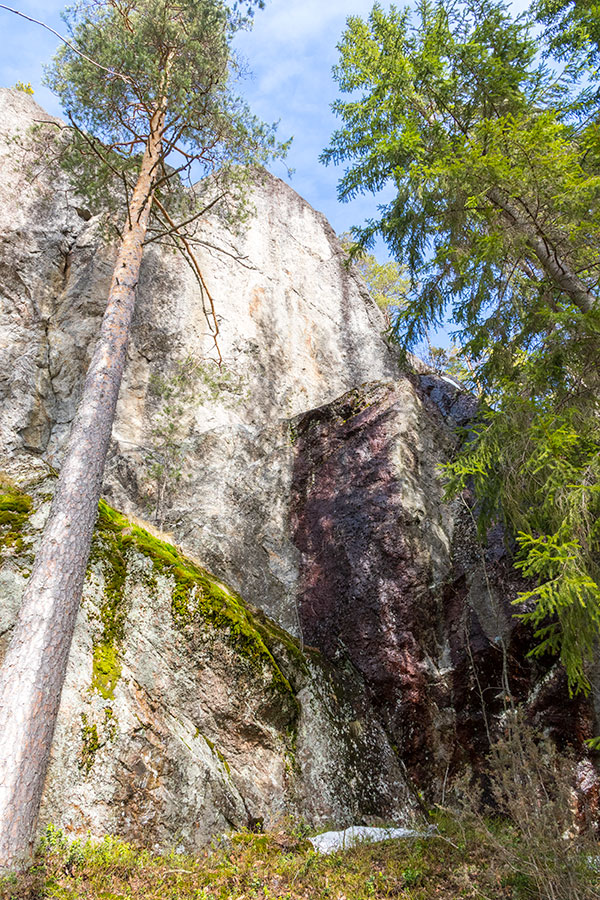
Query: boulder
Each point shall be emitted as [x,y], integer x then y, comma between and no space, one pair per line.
[185,712]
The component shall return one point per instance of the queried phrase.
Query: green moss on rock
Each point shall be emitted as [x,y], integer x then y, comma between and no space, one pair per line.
[215,750]
[107,552]
[16,503]
[196,596]
[106,670]
[95,736]
[275,636]
[223,761]
[90,744]
[15,509]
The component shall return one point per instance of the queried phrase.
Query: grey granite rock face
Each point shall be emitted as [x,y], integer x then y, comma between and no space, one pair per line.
[297,330]
[185,713]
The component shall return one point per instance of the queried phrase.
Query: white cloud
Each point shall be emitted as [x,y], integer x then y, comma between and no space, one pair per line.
[294,23]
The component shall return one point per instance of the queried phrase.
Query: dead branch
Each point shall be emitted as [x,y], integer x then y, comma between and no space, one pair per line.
[177,228]
[195,265]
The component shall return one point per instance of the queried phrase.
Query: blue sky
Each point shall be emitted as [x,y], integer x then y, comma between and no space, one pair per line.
[290,53]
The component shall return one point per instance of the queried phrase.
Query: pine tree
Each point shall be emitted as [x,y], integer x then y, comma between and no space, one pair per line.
[146,87]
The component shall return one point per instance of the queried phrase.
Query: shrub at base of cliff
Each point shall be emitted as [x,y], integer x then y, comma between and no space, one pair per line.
[544,826]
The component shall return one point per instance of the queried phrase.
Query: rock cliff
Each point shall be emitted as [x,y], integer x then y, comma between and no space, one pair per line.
[327,638]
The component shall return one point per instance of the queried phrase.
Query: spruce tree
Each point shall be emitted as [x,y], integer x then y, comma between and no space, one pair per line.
[491,157]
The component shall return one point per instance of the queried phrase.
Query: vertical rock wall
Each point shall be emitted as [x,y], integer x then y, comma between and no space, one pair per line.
[297,330]
[393,581]
[304,473]
[185,712]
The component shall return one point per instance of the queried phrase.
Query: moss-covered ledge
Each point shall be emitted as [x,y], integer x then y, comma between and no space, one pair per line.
[197,596]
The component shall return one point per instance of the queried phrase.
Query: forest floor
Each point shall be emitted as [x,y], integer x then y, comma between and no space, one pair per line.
[459,861]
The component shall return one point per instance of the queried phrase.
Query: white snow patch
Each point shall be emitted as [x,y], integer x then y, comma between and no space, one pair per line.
[330,841]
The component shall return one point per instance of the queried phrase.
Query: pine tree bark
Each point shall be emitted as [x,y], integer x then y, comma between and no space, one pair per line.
[34,668]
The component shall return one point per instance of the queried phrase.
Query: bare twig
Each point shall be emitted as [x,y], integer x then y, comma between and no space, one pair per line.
[176,229]
[195,265]
[112,72]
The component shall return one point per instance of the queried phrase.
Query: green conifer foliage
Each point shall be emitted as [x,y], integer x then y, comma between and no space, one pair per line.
[493,160]
[132,56]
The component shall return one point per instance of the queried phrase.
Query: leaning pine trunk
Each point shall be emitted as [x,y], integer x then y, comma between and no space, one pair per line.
[33,672]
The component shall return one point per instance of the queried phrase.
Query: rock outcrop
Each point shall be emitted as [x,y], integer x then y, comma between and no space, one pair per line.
[184,712]
[297,330]
[374,644]
[394,579]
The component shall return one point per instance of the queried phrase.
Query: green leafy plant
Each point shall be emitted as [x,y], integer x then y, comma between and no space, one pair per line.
[538,469]
[386,281]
